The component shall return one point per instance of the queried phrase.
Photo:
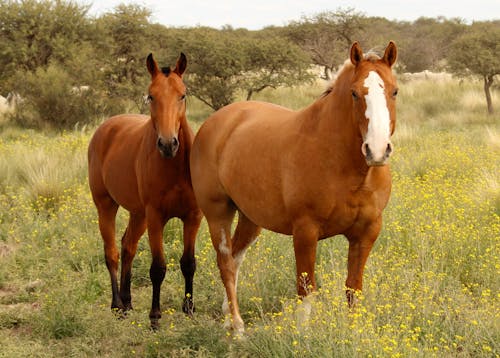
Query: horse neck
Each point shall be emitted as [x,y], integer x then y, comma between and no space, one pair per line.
[187,135]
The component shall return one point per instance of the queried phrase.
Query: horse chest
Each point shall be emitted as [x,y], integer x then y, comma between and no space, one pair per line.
[354,209]
[349,208]
[167,190]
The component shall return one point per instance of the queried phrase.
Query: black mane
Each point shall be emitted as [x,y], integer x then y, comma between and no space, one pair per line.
[166,70]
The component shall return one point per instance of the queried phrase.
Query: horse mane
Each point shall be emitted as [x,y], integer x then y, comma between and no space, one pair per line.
[347,66]
[166,70]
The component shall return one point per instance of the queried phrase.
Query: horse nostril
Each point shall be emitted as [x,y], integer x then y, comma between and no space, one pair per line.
[367,151]
[388,150]
[169,147]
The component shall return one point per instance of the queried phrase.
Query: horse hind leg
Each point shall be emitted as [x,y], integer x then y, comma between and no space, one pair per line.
[245,234]
[106,209]
[191,225]
[220,217]
[135,229]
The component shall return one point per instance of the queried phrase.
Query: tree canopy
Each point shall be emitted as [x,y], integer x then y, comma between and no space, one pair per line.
[72,68]
[326,36]
[224,63]
[34,34]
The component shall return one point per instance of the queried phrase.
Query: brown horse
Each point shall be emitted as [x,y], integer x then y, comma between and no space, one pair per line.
[312,174]
[142,164]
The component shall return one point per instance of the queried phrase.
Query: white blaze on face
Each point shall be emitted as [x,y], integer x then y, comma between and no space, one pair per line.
[379,128]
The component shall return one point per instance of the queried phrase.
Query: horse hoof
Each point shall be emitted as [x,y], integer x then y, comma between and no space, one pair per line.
[155,325]
[188,306]
[119,312]
[352,298]
[238,333]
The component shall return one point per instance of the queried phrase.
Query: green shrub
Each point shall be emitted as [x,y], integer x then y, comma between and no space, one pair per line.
[53,98]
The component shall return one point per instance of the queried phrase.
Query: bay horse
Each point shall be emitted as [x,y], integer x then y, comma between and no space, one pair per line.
[141,163]
[312,174]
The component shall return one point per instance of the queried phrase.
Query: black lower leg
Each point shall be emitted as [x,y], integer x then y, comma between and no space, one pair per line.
[116,302]
[125,295]
[157,274]
[188,268]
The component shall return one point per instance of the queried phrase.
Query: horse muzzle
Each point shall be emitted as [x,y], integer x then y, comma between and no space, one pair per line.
[377,158]
[168,148]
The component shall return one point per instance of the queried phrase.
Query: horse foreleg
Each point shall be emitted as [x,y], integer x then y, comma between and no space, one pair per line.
[158,268]
[188,261]
[135,229]
[359,249]
[305,242]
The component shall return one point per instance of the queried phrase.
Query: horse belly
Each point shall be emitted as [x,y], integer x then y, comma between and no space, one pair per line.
[263,208]
[256,187]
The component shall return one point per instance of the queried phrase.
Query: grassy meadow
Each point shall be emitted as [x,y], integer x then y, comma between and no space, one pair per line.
[432,281]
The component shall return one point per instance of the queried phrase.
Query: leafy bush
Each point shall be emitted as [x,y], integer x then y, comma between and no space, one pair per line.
[52,98]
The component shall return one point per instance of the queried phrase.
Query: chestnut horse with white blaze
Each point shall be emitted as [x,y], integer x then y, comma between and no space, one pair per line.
[313,173]
[142,164]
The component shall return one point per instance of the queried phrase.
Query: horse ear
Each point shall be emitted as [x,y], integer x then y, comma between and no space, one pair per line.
[356,54]
[152,65]
[181,64]
[391,54]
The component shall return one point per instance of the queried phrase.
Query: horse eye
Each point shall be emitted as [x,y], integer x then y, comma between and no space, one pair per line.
[354,94]
[183,97]
[149,98]
[395,93]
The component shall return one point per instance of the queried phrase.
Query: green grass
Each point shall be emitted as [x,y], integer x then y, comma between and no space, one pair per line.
[432,281]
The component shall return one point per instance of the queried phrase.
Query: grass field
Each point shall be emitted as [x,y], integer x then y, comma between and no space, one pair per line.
[432,282]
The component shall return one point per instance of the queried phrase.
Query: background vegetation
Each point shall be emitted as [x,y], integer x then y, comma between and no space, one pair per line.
[95,66]
[432,282]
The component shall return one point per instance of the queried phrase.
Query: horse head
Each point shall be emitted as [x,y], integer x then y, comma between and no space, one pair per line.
[374,93]
[167,99]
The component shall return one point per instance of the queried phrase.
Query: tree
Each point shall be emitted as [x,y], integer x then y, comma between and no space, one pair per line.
[427,41]
[273,62]
[477,52]
[34,34]
[47,56]
[215,61]
[225,62]
[127,32]
[327,36]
